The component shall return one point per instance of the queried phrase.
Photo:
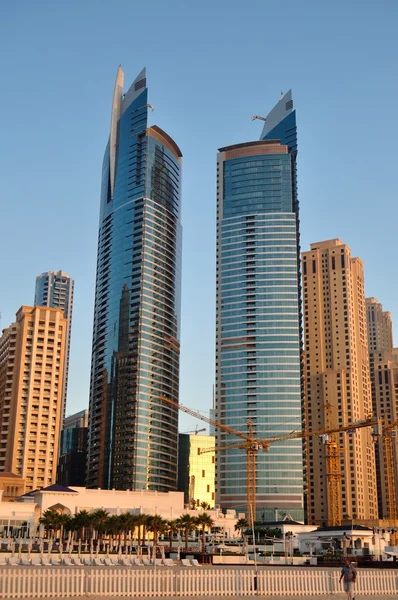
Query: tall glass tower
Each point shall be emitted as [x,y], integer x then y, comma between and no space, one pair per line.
[133,436]
[258,332]
[55,289]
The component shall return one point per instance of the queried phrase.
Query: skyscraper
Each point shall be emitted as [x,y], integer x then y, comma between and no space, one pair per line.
[133,436]
[73,450]
[383,360]
[31,382]
[337,380]
[55,289]
[258,358]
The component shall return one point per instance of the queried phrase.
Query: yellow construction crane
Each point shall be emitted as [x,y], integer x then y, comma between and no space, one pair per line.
[333,474]
[250,444]
[253,445]
[333,471]
[389,471]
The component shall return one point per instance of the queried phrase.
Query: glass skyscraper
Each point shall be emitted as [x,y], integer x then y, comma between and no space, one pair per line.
[133,436]
[258,348]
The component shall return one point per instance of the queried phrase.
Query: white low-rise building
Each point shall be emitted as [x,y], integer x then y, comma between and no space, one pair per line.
[169,505]
[354,540]
[17,519]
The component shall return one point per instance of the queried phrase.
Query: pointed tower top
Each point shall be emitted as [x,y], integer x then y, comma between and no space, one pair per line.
[282,109]
[136,88]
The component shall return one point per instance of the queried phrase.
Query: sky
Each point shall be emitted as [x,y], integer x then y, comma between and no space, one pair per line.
[210,67]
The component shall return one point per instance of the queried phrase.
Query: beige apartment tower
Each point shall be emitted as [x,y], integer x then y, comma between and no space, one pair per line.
[337,381]
[32,363]
[383,360]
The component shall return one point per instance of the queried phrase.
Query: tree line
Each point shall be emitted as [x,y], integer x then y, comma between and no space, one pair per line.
[99,524]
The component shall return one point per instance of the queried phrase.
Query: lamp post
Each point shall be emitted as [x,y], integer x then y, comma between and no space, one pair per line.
[288,545]
[344,542]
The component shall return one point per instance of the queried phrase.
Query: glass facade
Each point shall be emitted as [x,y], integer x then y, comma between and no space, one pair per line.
[258,347]
[133,436]
[196,469]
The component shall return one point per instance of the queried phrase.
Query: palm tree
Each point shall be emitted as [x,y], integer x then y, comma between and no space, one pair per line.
[206,522]
[205,505]
[186,523]
[64,522]
[240,525]
[50,520]
[114,526]
[128,522]
[81,523]
[157,525]
[173,527]
[142,521]
[98,521]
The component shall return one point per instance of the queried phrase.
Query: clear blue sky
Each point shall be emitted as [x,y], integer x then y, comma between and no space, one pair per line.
[210,67]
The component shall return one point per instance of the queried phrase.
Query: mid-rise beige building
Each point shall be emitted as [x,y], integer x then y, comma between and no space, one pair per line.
[379,327]
[383,360]
[31,382]
[337,380]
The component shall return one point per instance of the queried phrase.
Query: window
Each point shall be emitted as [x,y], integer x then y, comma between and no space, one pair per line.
[203,473]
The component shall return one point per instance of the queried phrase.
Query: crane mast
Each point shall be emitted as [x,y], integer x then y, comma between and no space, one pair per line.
[389,472]
[253,445]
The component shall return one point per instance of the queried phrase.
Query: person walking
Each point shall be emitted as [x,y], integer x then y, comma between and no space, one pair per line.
[349,576]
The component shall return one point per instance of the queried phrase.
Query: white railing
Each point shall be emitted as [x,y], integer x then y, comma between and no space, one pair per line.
[162,582]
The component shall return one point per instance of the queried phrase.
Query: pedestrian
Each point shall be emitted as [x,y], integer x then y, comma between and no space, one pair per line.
[349,576]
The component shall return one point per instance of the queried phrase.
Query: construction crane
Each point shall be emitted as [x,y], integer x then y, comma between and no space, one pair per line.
[196,430]
[333,474]
[389,472]
[253,445]
[250,444]
[333,471]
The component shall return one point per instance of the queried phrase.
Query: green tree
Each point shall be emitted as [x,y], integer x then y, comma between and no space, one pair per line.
[186,523]
[98,521]
[157,525]
[50,520]
[64,522]
[114,527]
[173,528]
[128,522]
[142,521]
[205,522]
[240,525]
[205,505]
[81,524]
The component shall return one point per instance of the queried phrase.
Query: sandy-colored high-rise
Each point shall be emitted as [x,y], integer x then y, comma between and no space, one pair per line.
[32,352]
[55,288]
[383,360]
[338,388]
